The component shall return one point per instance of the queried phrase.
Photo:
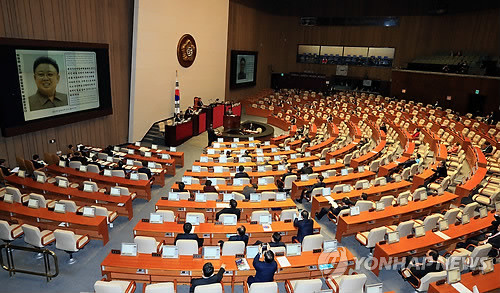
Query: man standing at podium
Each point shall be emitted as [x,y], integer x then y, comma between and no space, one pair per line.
[212,135]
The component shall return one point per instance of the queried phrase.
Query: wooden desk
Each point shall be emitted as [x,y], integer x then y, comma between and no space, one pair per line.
[185,268]
[96,228]
[317,148]
[343,151]
[121,204]
[391,215]
[419,246]
[476,158]
[141,187]
[370,156]
[374,193]
[419,179]
[210,208]
[226,188]
[298,186]
[485,283]
[213,232]
[167,164]
[177,156]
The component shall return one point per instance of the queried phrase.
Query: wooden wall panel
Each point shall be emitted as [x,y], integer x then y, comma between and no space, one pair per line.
[94,21]
[276,38]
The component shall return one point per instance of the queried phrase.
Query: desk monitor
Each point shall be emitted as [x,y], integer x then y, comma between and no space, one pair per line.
[294,249]
[265,219]
[419,231]
[453,276]
[8,198]
[147,154]
[152,165]
[230,221]
[173,196]
[116,149]
[403,201]
[63,183]
[465,219]
[344,172]
[260,159]
[196,169]
[137,143]
[89,211]
[304,177]
[326,191]
[277,158]
[260,152]
[129,162]
[200,197]
[234,145]
[211,151]
[165,156]
[154,146]
[222,159]
[300,165]
[62,164]
[393,237]
[346,188]
[361,169]
[88,187]
[115,191]
[173,149]
[293,156]
[252,251]
[251,145]
[366,185]
[333,161]
[216,145]
[40,178]
[193,219]
[21,174]
[487,265]
[280,196]
[255,197]
[497,205]
[130,151]
[483,212]
[354,211]
[170,251]
[443,225]
[423,196]
[226,197]
[281,167]
[109,159]
[187,180]
[237,182]
[236,139]
[60,208]
[307,154]
[274,150]
[33,203]
[83,168]
[267,143]
[218,169]
[129,249]
[155,218]
[262,181]
[134,176]
[261,169]
[219,140]
[204,159]
[287,148]
[242,160]
[330,245]
[380,206]
[108,173]
[317,163]
[374,288]
[211,252]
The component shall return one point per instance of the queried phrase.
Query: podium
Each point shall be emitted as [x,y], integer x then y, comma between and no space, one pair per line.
[231,122]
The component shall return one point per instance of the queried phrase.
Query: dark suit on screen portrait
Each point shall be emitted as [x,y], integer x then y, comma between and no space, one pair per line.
[40,102]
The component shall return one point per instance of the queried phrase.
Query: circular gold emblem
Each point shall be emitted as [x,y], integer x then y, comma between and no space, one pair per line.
[186,50]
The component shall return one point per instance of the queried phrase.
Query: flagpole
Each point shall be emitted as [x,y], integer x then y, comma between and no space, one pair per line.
[177,99]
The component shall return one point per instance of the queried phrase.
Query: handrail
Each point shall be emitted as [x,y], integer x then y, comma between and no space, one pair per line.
[10,261]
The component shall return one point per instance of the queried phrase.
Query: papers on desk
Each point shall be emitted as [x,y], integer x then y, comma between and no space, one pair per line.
[331,201]
[221,205]
[15,170]
[283,261]
[63,224]
[128,167]
[120,204]
[232,174]
[442,235]
[242,264]
[461,288]
[267,228]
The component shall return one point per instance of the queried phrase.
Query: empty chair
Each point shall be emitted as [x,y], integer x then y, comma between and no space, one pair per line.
[92,168]
[118,173]
[288,214]
[268,287]
[404,228]
[429,222]
[303,286]
[75,164]
[457,261]
[487,200]
[451,215]
[110,215]
[211,288]
[34,237]
[70,206]
[427,280]
[42,202]
[441,187]
[93,186]
[16,194]
[125,192]
[266,195]
[474,256]
[168,216]
[200,216]
[361,183]
[147,245]
[365,205]
[347,283]
[372,237]
[468,210]
[166,287]
[116,287]
[187,247]
[312,242]
[244,181]
[233,248]
[70,242]
[184,195]
[418,193]
[402,195]
[288,181]
[238,196]
[256,215]
[387,200]
[10,232]
[213,196]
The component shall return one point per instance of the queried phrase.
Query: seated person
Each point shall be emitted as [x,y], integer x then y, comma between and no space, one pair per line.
[275,241]
[208,187]
[241,236]
[454,148]
[306,139]
[247,154]
[189,113]
[187,235]
[241,173]
[264,270]
[416,134]
[144,169]
[418,271]
[345,203]
[410,162]
[119,166]
[178,118]
[77,156]
[439,172]
[488,148]
[181,187]
[251,188]
[306,169]
[383,127]
[5,170]
[94,161]
[289,172]
[304,226]
[491,237]
[37,162]
[231,210]
[307,191]
[208,276]
[280,185]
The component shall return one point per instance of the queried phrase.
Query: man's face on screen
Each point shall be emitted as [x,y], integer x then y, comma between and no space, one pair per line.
[46,79]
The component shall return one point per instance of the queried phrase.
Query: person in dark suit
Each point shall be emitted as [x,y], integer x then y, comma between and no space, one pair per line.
[119,166]
[93,161]
[144,169]
[208,187]
[242,236]
[37,162]
[488,148]
[306,139]
[307,192]
[344,204]
[306,169]
[241,173]
[264,270]
[212,136]
[208,276]
[289,172]
[410,162]
[187,235]
[276,240]
[251,188]
[304,226]
[77,156]
[419,270]
[5,170]
[189,113]
[181,187]
[383,127]
[231,210]
[439,172]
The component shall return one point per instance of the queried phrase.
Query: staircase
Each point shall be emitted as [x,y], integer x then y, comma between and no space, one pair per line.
[154,136]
